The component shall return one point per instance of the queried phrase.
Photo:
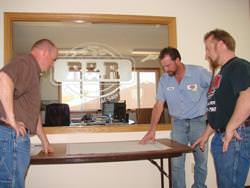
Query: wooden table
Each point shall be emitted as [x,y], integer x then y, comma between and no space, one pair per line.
[63,155]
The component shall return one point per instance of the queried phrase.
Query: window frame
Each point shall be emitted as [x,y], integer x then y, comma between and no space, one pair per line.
[10,17]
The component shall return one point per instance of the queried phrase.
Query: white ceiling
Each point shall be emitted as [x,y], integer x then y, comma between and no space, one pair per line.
[123,38]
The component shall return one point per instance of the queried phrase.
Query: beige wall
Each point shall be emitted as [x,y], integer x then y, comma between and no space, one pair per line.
[194,18]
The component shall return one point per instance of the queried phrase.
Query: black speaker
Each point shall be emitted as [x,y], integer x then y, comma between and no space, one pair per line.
[120,111]
[57,114]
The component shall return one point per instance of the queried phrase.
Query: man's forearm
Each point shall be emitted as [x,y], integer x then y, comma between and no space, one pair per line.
[241,111]
[156,114]
[209,130]
[6,96]
[40,132]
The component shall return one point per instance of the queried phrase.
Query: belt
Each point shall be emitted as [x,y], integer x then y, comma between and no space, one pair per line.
[222,130]
[247,123]
[3,123]
[7,125]
[194,117]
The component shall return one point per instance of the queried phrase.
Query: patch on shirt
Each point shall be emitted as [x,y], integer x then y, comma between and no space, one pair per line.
[215,84]
[192,87]
[170,88]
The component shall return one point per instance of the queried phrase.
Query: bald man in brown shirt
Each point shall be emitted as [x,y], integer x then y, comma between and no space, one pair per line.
[20,111]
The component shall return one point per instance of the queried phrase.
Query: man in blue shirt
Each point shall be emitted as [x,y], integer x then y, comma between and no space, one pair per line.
[184,89]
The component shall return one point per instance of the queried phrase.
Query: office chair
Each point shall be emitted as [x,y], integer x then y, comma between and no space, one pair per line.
[57,114]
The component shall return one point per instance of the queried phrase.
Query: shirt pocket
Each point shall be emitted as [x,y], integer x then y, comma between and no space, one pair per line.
[172,96]
[193,92]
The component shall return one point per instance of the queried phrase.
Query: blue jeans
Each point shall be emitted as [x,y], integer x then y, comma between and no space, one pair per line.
[187,132]
[232,166]
[14,158]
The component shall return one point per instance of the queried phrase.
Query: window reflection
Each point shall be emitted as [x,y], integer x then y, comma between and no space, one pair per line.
[147,89]
[85,95]
[142,91]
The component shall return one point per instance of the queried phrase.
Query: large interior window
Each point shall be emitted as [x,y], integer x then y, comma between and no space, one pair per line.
[142,37]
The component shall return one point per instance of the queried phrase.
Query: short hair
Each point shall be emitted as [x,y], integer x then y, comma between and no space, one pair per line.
[219,34]
[172,52]
[44,43]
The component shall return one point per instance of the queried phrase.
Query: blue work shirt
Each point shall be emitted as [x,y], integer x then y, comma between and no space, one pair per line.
[187,99]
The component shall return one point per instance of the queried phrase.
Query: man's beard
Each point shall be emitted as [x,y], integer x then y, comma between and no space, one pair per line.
[171,73]
[213,65]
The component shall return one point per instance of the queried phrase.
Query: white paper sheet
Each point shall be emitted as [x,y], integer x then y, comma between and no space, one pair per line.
[113,147]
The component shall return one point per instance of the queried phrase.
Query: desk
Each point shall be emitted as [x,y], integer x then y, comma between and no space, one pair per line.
[68,153]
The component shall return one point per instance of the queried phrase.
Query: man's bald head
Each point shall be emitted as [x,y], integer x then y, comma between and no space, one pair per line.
[45,52]
[44,44]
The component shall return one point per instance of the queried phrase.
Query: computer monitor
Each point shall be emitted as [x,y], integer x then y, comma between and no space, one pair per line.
[108,108]
[120,111]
